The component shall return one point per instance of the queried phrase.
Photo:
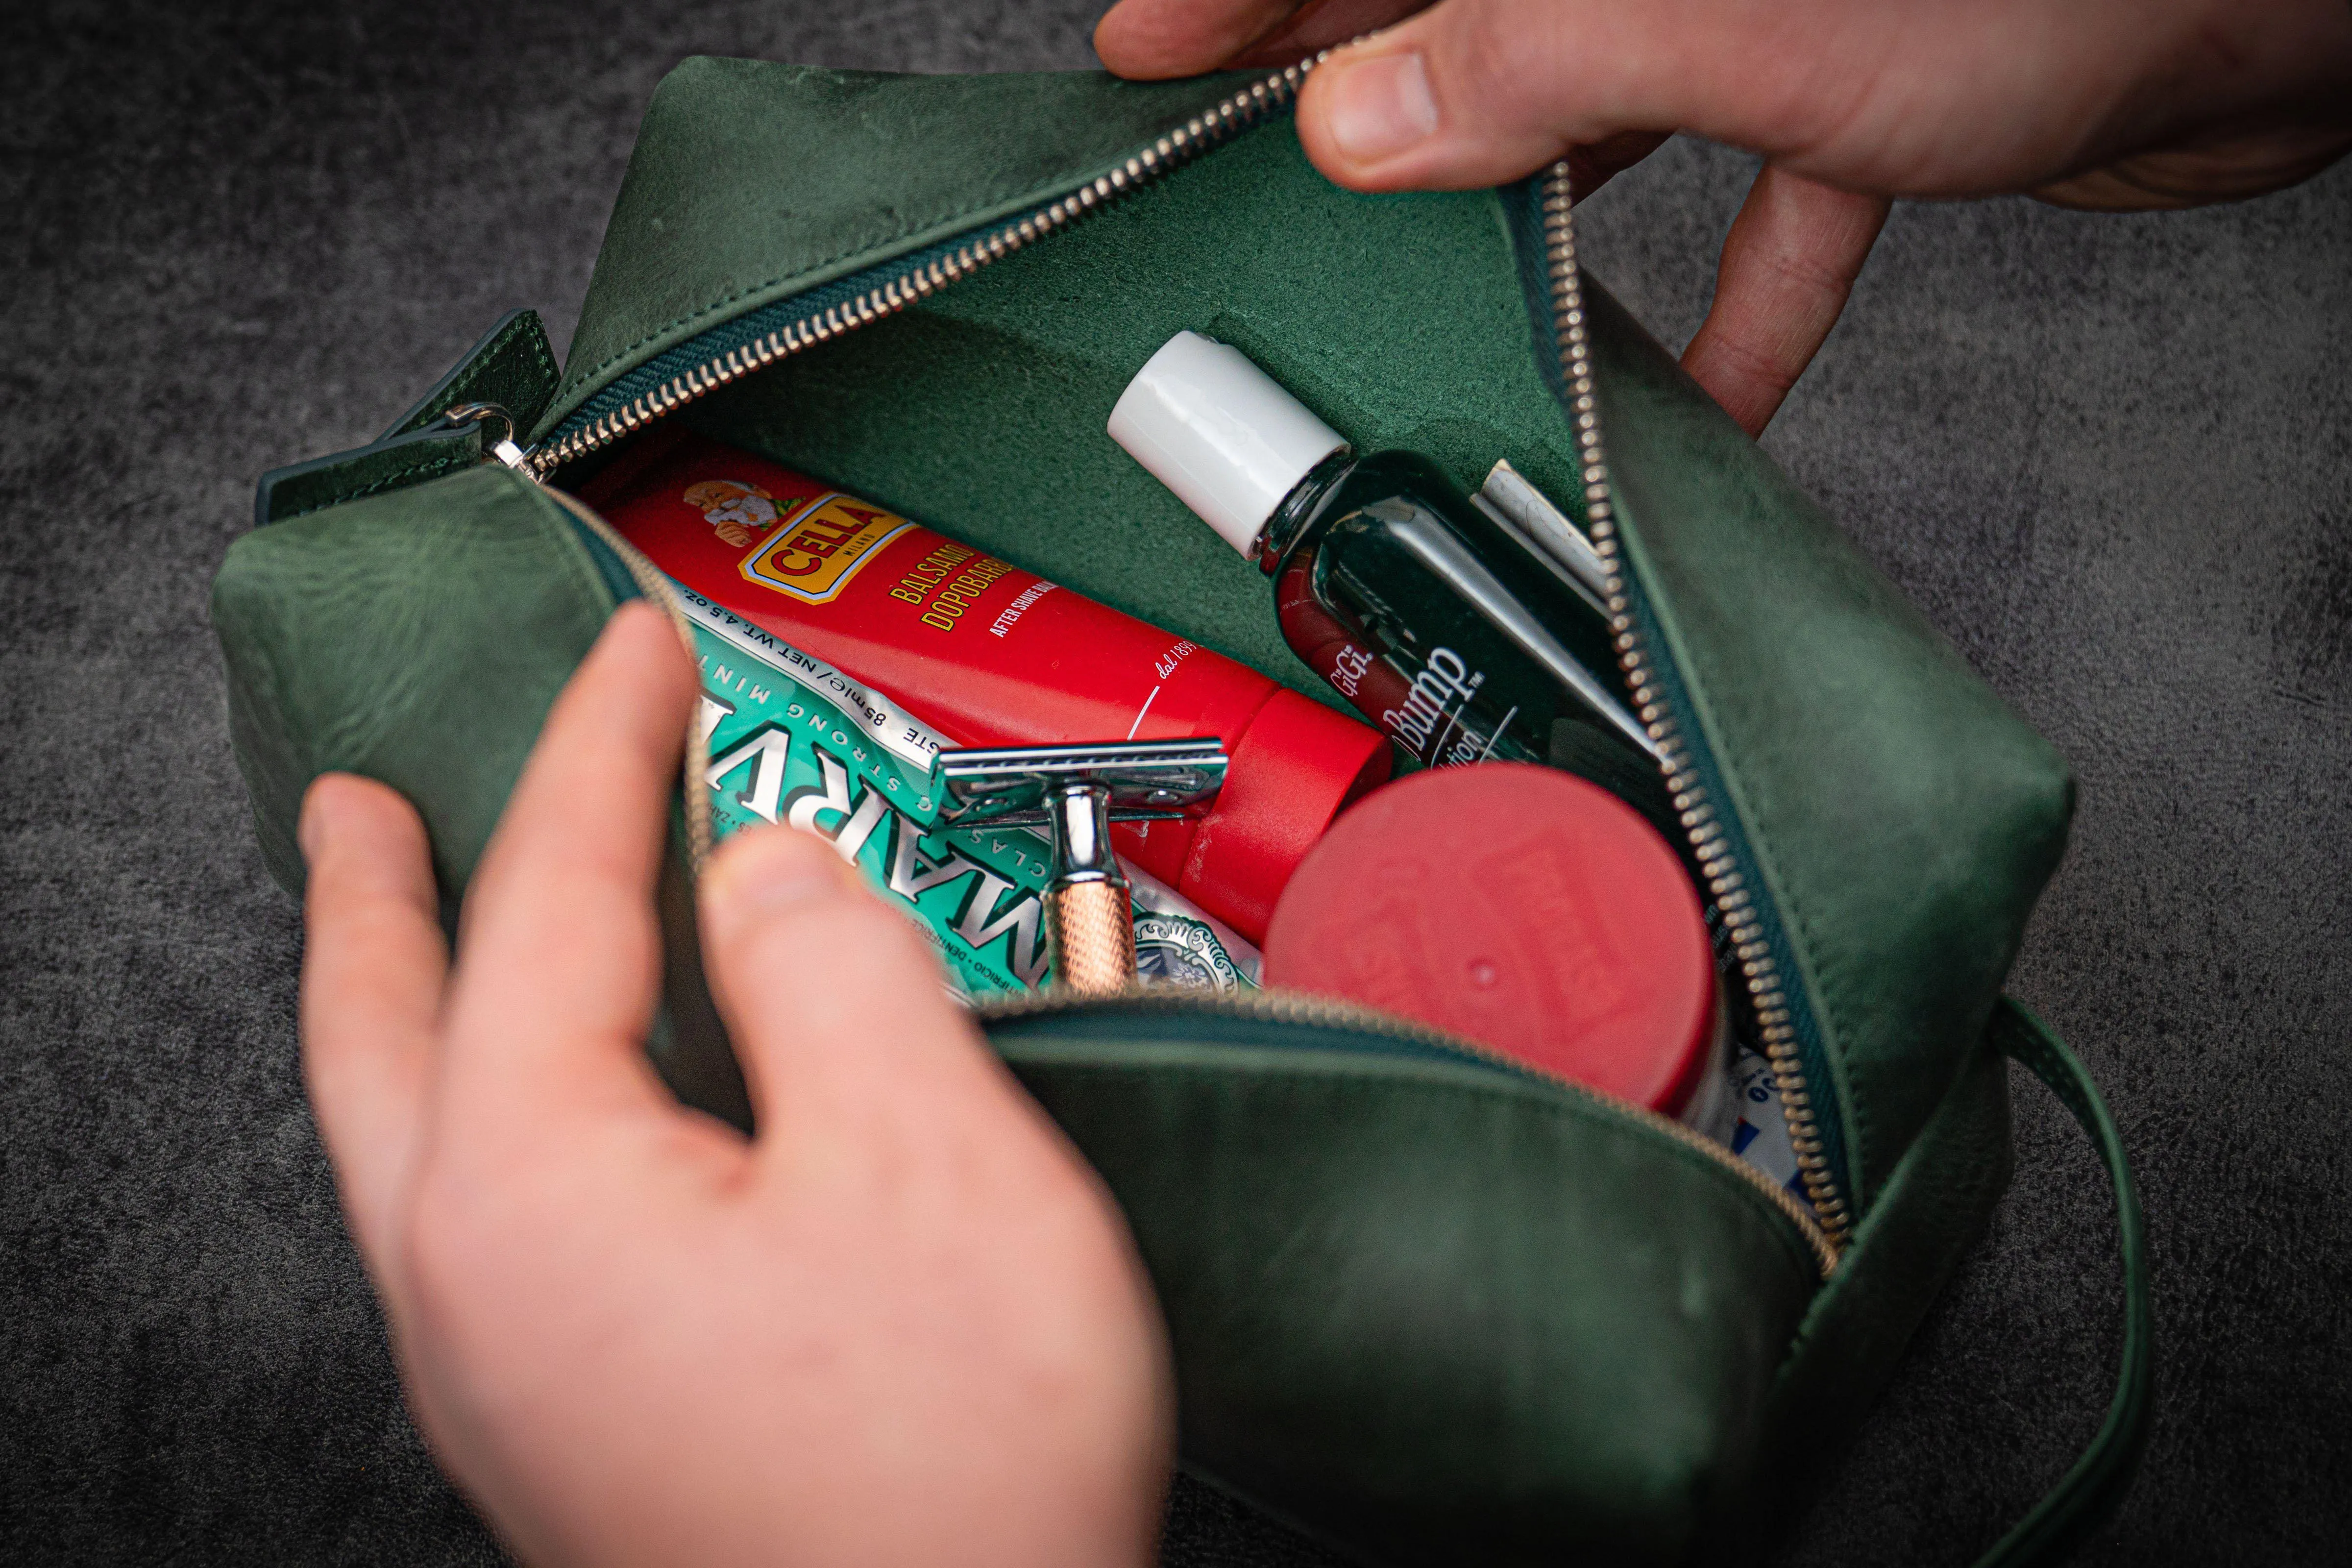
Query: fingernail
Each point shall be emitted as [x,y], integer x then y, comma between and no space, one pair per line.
[770,871]
[1379,107]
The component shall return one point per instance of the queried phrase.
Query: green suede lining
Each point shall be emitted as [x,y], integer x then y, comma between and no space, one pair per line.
[1010,376]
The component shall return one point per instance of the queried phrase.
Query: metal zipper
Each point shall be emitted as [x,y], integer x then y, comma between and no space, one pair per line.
[1760,972]
[1298,1008]
[1830,1222]
[1172,151]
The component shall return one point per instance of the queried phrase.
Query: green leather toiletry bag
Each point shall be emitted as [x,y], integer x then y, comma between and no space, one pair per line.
[1425,1306]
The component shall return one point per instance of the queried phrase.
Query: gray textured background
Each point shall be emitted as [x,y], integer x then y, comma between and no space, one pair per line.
[2108,455]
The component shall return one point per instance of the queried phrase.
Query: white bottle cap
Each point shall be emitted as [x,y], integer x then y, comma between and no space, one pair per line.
[1218,432]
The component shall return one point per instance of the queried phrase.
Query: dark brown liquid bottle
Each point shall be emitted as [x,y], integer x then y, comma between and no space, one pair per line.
[1462,642]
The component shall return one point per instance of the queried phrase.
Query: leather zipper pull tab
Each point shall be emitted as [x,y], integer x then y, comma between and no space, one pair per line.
[504,447]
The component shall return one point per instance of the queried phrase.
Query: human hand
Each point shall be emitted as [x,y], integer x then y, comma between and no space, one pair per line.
[2112,104]
[904,1324]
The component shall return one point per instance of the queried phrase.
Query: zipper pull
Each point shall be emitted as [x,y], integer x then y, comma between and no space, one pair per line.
[504,448]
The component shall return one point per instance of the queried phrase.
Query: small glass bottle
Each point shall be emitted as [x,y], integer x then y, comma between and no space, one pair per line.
[1455,638]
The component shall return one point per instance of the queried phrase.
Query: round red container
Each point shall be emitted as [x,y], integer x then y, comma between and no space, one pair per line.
[1523,909]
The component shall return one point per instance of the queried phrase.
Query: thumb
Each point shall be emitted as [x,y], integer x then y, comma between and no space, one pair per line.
[837,1008]
[1478,93]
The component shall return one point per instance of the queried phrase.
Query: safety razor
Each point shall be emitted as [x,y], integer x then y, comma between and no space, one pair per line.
[1076,792]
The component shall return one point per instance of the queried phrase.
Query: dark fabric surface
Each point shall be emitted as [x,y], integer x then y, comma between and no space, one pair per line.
[2107,456]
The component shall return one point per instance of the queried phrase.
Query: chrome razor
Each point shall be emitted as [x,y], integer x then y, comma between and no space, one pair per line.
[1076,792]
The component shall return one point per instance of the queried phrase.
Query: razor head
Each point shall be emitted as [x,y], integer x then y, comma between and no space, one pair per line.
[1145,781]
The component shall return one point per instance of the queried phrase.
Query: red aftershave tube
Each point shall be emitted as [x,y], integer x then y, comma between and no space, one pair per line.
[991,655]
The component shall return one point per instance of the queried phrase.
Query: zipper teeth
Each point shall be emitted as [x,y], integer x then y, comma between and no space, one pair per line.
[655,586]
[1297,1007]
[1827,1227]
[1758,969]
[1172,151]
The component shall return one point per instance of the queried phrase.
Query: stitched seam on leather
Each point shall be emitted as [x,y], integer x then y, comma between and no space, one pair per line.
[1808,1265]
[518,327]
[439,403]
[432,468]
[1034,194]
[544,360]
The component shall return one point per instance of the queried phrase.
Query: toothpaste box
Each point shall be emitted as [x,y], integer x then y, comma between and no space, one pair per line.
[1760,1136]
[792,740]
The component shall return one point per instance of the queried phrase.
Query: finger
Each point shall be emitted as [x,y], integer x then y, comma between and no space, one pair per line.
[1152,39]
[374,965]
[834,1003]
[1917,101]
[1471,92]
[560,955]
[1787,266]
[1594,165]
[1477,92]
[2199,174]
[1323,25]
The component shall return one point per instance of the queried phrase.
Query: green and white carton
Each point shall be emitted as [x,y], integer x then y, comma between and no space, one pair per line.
[792,740]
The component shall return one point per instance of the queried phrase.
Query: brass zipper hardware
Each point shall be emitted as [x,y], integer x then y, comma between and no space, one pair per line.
[1172,151]
[1298,1008]
[655,586]
[1758,969]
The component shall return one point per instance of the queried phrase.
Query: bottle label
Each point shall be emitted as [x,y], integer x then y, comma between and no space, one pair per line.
[1431,711]
[1432,715]
[1434,721]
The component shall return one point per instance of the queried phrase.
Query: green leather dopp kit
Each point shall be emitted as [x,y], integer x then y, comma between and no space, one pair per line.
[1543,1156]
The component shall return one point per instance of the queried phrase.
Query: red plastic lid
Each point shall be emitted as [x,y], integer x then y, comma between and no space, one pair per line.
[1292,771]
[1522,908]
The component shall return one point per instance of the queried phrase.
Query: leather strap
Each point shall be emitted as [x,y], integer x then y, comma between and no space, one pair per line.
[2087,1495]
